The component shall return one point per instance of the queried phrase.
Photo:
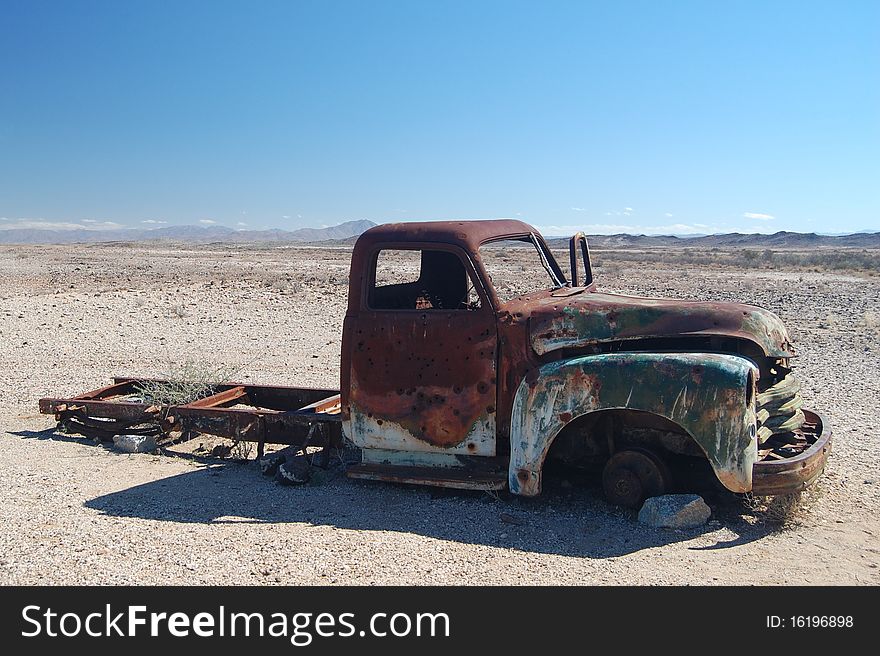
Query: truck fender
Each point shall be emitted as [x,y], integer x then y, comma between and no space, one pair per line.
[710,395]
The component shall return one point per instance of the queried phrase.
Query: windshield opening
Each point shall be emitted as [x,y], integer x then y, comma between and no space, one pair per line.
[519,266]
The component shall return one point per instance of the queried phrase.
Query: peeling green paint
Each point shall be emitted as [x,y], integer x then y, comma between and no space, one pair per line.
[705,393]
[596,317]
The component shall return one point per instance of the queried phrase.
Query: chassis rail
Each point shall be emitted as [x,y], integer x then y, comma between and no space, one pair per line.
[293,416]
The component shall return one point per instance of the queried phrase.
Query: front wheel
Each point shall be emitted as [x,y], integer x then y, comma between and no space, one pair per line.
[634,475]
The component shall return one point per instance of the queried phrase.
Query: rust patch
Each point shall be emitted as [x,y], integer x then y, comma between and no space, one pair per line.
[432,373]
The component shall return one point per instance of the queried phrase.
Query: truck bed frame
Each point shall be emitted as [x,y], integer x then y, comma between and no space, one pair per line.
[295,416]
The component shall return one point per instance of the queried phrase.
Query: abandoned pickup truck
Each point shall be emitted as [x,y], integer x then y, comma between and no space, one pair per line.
[470,360]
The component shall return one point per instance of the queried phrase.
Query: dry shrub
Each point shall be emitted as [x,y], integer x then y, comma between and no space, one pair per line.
[185,383]
[241,450]
[871,321]
[284,284]
[782,511]
[830,321]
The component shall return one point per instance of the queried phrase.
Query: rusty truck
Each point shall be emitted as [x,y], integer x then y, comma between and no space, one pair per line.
[471,359]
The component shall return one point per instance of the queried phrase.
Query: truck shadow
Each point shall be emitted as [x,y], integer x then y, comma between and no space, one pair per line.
[52,433]
[571,522]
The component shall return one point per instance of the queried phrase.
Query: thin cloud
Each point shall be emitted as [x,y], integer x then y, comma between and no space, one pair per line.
[241,223]
[668,215]
[154,222]
[579,209]
[43,224]
[760,216]
[207,222]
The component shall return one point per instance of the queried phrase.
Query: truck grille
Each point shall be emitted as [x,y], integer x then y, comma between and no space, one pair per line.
[779,408]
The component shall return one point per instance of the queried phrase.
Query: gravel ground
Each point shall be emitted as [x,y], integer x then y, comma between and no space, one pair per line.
[73,316]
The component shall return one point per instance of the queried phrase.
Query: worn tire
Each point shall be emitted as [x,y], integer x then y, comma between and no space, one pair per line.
[631,476]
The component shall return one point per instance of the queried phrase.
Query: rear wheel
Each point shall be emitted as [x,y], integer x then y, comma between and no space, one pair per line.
[632,476]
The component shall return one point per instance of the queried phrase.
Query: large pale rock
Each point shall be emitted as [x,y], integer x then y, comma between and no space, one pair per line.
[675,511]
[135,443]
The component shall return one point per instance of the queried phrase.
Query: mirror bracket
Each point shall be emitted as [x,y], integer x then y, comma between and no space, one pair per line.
[579,242]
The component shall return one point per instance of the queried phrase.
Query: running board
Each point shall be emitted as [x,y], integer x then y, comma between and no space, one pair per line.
[453,477]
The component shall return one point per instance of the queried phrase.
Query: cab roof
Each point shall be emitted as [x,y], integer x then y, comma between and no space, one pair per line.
[467,234]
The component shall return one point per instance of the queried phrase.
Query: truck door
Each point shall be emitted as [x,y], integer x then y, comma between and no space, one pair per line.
[423,355]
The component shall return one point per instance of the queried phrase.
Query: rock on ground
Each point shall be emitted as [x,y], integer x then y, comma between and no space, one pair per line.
[675,511]
[135,443]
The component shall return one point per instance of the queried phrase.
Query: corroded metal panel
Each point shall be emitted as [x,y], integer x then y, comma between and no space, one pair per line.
[591,318]
[709,395]
[422,381]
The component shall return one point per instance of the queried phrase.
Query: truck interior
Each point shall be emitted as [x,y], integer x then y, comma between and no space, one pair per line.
[442,284]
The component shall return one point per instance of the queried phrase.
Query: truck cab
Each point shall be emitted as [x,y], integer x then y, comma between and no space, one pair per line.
[470,359]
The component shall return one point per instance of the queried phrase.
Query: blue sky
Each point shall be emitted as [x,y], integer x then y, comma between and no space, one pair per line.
[654,117]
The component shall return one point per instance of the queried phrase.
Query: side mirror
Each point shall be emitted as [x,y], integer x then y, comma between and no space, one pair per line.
[579,243]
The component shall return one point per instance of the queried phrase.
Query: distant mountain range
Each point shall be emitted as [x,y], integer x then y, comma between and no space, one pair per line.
[802,240]
[186,233]
[346,234]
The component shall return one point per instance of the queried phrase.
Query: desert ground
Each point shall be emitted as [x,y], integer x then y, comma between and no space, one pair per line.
[76,513]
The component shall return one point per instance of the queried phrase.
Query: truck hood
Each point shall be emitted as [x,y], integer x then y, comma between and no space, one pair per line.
[571,318]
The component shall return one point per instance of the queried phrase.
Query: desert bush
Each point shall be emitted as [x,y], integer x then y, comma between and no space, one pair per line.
[871,321]
[242,450]
[184,383]
[783,511]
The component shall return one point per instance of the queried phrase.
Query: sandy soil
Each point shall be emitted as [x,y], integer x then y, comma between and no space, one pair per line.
[72,316]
